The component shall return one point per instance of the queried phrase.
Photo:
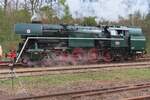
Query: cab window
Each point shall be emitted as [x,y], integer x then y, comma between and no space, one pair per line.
[113,33]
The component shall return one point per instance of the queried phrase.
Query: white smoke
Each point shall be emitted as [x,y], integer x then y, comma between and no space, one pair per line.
[107,9]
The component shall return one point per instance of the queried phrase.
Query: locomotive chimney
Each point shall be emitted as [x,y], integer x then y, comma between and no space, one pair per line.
[36,18]
[39,17]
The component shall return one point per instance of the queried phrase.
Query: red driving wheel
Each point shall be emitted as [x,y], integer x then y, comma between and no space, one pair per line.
[107,56]
[93,55]
[78,55]
[62,57]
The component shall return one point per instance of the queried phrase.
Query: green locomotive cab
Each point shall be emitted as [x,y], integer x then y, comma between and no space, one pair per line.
[132,40]
[120,37]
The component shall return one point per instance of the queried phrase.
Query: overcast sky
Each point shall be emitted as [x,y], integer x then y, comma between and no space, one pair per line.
[108,9]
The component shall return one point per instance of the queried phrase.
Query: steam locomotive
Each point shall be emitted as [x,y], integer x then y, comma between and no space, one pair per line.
[49,44]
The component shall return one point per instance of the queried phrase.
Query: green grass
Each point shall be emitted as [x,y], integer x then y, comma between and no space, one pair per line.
[54,80]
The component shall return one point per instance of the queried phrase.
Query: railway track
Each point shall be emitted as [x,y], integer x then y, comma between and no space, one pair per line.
[6,65]
[21,72]
[91,92]
[146,97]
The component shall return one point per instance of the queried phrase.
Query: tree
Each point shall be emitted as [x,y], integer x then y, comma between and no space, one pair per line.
[16,4]
[5,5]
[89,21]
[47,14]
[67,17]
[34,5]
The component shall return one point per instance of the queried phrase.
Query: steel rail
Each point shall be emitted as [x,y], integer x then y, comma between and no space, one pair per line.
[146,97]
[6,64]
[90,92]
[69,69]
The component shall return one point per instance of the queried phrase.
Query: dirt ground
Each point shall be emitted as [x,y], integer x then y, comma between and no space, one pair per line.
[82,85]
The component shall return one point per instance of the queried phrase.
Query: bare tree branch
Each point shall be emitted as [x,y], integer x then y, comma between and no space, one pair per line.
[5,5]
